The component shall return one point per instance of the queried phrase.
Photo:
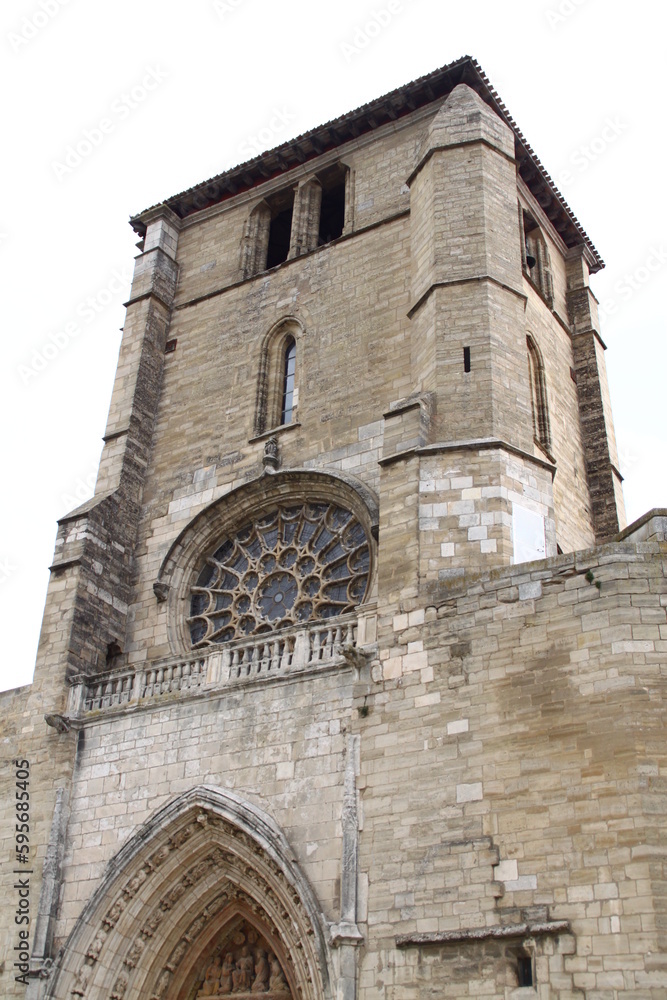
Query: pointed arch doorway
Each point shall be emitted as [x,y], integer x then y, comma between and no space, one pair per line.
[205,901]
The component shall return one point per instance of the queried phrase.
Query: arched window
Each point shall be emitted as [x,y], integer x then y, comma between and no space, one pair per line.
[296,220]
[535,256]
[289,370]
[266,240]
[277,383]
[538,395]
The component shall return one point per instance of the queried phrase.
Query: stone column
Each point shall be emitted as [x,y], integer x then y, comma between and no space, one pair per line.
[346,936]
[256,241]
[47,912]
[306,217]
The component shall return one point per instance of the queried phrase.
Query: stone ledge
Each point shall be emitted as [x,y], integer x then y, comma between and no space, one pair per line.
[473,444]
[279,429]
[643,529]
[546,929]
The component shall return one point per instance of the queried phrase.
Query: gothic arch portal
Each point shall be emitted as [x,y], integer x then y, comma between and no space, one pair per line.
[206,871]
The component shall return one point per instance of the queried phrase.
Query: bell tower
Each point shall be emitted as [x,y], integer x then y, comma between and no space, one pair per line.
[343,666]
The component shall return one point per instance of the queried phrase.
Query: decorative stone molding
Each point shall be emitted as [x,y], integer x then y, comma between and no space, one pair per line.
[161,591]
[271,457]
[41,961]
[550,928]
[202,868]
[320,646]
[226,514]
[345,935]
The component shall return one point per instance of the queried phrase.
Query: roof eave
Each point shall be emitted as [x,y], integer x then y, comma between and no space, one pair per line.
[390,107]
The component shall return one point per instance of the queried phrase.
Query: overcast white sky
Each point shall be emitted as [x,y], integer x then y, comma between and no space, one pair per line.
[582,78]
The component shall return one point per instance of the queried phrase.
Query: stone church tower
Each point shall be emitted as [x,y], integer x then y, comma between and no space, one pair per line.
[351,678]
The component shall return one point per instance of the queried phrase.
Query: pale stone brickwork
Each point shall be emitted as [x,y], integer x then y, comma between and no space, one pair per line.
[455,790]
[465,509]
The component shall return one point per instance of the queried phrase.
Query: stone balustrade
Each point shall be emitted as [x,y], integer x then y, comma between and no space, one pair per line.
[259,657]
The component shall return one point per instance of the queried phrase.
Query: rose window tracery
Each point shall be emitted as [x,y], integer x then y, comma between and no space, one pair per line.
[297,563]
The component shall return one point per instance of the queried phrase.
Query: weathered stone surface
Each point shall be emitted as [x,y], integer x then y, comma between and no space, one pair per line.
[457,786]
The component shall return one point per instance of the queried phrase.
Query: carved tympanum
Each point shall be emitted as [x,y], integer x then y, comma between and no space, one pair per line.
[244,965]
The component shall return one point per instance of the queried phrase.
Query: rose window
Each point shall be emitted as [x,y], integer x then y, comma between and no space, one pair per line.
[293,565]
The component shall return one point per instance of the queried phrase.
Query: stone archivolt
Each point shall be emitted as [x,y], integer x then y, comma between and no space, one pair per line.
[208,893]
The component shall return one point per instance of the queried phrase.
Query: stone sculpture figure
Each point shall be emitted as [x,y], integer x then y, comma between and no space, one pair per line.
[226,974]
[120,987]
[242,975]
[211,979]
[261,980]
[271,458]
[135,884]
[81,982]
[162,986]
[277,982]
[93,952]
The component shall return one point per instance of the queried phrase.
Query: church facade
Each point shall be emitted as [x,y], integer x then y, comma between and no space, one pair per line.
[351,677]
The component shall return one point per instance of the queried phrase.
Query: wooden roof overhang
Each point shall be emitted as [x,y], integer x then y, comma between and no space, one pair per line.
[389,108]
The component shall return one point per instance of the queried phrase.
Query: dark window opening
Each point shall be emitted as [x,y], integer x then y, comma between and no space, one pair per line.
[532,235]
[536,261]
[332,214]
[466,359]
[170,346]
[289,369]
[113,652]
[524,970]
[279,236]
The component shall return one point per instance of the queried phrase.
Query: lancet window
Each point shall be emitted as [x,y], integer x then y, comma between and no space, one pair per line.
[535,256]
[295,221]
[538,394]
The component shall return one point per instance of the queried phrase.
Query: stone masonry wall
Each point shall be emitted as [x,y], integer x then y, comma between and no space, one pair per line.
[512,765]
[522,714]
[511,725]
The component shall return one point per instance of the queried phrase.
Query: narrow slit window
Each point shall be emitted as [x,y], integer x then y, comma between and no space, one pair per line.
[538,394]
[466,359]
[525,970]
[288,382]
